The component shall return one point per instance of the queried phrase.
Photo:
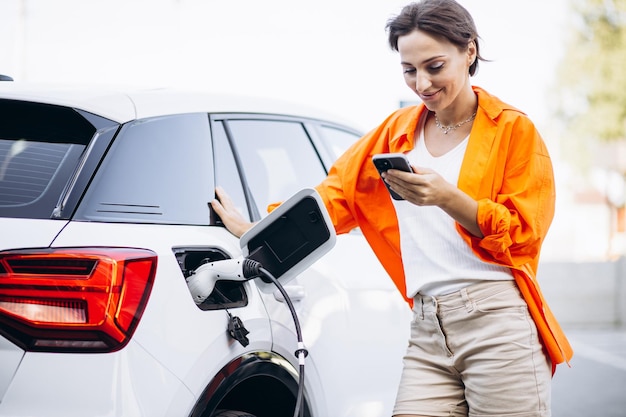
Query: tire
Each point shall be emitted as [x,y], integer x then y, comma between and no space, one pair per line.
[231,413]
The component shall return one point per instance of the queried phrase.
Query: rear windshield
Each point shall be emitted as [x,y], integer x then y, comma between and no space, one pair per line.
[40,147]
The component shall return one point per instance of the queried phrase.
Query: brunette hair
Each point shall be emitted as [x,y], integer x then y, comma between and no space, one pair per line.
[442,18]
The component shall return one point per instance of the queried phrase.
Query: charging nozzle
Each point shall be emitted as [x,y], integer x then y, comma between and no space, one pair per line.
[202,281]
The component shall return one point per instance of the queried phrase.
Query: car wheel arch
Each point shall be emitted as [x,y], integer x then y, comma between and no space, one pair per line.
[260,383]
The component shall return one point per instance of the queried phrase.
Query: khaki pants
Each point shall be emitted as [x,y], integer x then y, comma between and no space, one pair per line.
[475,353]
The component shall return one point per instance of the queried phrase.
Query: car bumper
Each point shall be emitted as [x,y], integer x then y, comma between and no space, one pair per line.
[129,383]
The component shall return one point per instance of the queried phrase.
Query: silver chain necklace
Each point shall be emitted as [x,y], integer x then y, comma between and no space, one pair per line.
[450,128]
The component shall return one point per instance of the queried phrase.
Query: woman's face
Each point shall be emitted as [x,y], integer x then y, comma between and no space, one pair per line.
[435,69]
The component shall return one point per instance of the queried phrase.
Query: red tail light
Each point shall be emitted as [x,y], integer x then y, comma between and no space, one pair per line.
[74,299]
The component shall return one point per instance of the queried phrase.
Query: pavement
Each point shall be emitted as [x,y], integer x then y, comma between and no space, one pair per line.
[595,383]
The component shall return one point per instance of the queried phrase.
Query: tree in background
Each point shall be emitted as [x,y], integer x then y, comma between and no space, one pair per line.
[592,74]
[590,98]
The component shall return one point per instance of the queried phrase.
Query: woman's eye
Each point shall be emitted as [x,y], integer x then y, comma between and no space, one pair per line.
[436,67]
[408,70]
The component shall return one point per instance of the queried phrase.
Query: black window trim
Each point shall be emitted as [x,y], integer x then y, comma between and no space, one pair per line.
[85,171]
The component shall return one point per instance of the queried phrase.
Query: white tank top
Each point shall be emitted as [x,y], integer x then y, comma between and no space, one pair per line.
[436,259]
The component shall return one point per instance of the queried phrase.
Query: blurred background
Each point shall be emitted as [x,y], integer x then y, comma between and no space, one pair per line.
[560,61]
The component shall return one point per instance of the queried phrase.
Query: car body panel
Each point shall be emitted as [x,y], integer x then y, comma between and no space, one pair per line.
[10,359]
[28,233]
[178,344]
[113,384]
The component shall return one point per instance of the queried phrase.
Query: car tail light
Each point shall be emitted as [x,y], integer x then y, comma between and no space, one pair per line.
[74,299]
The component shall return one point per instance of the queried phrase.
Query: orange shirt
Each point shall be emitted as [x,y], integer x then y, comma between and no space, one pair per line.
[506,168]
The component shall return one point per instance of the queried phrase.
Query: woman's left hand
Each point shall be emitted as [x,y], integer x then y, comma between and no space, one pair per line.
[231,217]
[423,186]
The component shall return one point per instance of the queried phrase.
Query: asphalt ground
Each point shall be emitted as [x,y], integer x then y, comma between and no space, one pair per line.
[595,384]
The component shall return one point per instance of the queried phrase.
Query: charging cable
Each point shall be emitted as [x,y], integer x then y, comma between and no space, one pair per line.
[301,352]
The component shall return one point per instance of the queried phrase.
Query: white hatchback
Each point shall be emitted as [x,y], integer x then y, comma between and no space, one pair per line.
[104,214]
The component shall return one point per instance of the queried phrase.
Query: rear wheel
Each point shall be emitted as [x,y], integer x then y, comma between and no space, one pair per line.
[232,413]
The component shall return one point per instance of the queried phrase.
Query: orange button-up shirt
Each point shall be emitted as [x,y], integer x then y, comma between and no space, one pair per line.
[506,169]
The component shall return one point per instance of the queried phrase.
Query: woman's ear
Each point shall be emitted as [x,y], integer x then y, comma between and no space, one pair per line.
[471,52]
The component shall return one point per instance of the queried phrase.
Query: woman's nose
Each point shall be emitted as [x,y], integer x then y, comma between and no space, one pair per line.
[422,82]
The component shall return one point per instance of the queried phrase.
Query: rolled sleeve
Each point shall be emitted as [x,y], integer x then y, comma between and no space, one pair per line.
[494,221]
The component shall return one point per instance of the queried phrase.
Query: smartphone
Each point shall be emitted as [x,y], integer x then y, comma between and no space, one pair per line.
[385,161]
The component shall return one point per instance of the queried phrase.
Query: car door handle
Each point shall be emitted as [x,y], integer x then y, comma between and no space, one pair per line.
[295,293]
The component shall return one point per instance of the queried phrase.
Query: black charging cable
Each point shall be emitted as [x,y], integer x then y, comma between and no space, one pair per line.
[253,269]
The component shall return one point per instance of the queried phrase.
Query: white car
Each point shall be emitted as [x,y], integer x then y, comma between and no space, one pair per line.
[104,216]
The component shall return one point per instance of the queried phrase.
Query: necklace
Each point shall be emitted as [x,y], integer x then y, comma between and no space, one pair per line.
[449,128]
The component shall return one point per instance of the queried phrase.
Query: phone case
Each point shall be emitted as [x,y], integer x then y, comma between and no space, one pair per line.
[386,161]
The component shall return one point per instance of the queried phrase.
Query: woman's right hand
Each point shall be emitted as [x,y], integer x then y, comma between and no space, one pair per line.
[231,217]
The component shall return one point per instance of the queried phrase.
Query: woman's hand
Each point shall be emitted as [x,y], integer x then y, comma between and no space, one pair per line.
[425,187]
[422,187]
[231,217]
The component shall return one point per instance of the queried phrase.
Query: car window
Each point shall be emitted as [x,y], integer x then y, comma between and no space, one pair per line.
[226,173]
[40,147]
[27,168]
[158,170]
[277,157]
[337,140]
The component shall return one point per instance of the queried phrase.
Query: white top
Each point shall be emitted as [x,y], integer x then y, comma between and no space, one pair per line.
[436,259]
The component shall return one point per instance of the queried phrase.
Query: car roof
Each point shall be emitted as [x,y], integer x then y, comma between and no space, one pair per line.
[123,104]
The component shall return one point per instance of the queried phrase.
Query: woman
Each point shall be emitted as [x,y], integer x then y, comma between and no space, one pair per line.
[463,246]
